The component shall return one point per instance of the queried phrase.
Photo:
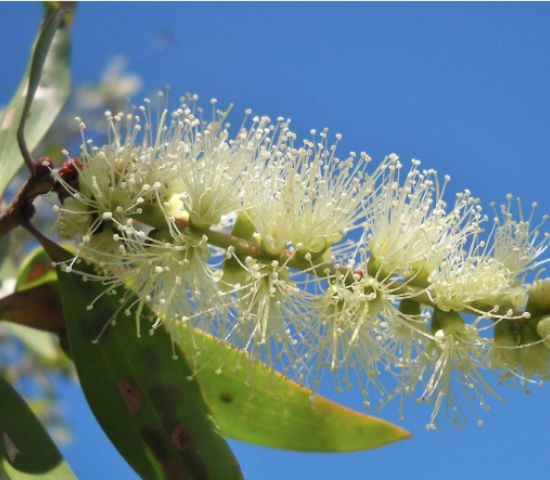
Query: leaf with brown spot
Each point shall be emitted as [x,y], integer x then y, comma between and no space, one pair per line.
[26,450]
[11,450]
[277,412]
[181,437]
[285,422]
[36,269]
[150,437]
[131,394]
[173,470]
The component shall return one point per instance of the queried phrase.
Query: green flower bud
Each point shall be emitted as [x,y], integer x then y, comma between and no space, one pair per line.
[409,307]
[539,298]
[450,322]
[534,357]
[504,353]
[543,329]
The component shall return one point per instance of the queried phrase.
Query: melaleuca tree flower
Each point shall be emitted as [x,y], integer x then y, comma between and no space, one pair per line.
[74,219]
[305,261]
[408,228]
[346,335]
[304,198]
[172,273]
[209,167]
[490,271]
[265,311]
[456,354]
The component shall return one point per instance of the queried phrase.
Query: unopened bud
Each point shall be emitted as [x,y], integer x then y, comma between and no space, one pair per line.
[543,329]
[539,298]
[450,322]
[505,345]
[534,357]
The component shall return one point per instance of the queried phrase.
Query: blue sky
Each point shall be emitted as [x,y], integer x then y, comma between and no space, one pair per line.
[461,86]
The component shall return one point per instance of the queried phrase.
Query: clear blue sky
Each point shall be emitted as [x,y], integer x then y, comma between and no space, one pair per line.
[462,86]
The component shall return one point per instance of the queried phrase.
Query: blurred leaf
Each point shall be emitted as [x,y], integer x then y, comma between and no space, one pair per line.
[277,412]
[35,308]
[47,82]
[26,450]
[51,7]
[41,343]
[36,269]
[38,307]
[158,420]
[6,265]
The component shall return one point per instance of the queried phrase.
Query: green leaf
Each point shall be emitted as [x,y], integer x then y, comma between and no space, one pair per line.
[41,343]
[36,304]
[26,450]
[47,82]
[276,412]
[35,270]
[6,265]
[142,398]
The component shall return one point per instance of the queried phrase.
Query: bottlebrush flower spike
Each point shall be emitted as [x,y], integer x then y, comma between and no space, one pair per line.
[311,263]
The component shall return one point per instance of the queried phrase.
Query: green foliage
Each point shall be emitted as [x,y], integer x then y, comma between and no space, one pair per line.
[275,412]
[48,73]
[26,450]
[158,420]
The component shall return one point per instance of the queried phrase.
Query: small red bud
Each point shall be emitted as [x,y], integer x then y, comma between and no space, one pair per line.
[69,174]
[69,169]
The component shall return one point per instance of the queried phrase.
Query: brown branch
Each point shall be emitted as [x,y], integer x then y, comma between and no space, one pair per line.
[27,157]
[21,208]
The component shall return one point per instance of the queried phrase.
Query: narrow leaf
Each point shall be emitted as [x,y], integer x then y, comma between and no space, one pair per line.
[157,419]
[26,450]
[47,81]
[36,269]
[276,412]
[37,307]
[34,310]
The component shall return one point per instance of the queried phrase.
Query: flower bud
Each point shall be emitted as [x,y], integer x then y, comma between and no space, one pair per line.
[543,329]
[504,353]
[450,322]
[534,357]
[539,298]
[409,307]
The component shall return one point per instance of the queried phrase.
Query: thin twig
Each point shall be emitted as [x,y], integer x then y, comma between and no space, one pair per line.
[23,145]
[21,208]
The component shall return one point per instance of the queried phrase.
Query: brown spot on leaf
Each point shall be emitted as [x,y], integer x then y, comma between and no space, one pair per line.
[173,470]
[225,397]
[11,449]
[181,437]
[132,396]
[38,270]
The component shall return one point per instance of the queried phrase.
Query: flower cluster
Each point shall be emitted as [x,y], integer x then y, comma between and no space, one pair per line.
[306,261]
